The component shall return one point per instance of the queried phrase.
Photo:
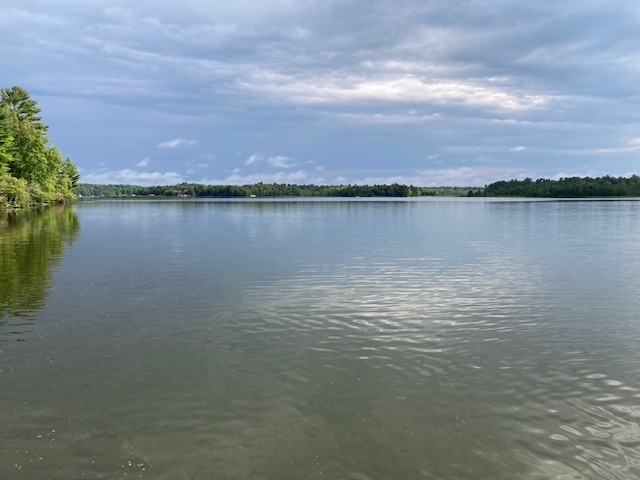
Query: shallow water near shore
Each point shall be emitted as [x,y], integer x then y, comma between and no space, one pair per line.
[344,339]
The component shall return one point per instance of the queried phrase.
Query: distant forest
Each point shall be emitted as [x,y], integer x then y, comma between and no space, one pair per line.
[269,190]
[573,187]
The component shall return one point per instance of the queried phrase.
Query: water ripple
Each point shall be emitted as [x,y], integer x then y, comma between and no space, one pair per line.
[474,329]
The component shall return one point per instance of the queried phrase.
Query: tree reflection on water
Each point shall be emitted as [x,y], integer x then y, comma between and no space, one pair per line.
[32,241]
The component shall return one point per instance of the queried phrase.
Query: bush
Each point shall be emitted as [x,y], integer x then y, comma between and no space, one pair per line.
[14,191]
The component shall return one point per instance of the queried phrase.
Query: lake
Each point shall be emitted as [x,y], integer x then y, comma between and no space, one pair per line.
[431,338]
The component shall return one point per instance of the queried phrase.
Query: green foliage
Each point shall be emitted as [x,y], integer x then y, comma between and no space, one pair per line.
[26,157]
[14,191]
[563,188]
[67,178]
[267,190]
[7,143]
[571,187]
[25,109]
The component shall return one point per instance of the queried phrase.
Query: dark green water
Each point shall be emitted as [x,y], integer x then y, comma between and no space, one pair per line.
[424,339]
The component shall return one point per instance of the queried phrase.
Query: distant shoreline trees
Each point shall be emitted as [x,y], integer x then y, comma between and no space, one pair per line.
[31,171]
[572,187]
[267,190]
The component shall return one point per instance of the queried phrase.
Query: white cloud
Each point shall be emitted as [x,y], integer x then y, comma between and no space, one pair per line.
[387,118]
[280,161]
[407,88]
[458,177]
[255,158]
[144,162]
[629,145]
[276,161]
[131,177]
[17,16]
[298,176]
[519,148]
[178,143]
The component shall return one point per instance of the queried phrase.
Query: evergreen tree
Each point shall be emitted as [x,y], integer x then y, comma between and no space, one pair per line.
[30,170]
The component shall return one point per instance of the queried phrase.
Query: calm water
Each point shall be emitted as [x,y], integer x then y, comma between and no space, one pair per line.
[424,339]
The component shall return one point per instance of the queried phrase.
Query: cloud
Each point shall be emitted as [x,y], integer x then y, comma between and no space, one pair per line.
[460,177]
[280,161]
[144,162]
[178,143]
[629,145]
[255,158]
[276,161]
[298,176]
[389,118]
[131,177]
[407,88]
[358,86]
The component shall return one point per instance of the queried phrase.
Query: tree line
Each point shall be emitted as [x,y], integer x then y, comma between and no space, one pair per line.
[267,190]
[31,170]
[571,187]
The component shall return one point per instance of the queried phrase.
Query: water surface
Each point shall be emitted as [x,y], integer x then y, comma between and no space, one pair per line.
[353,339]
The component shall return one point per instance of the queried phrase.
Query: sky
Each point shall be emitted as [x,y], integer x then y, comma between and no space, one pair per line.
[421,92]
